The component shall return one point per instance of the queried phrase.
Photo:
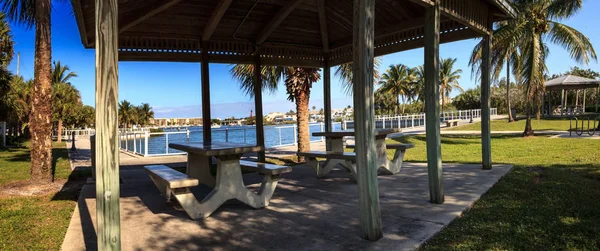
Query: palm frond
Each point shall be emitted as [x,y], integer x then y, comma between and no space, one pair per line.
[579,46]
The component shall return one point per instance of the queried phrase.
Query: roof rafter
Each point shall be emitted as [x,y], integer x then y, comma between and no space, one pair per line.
[215,19]
[323,23]
[276,21]
[144,13]
[400,27]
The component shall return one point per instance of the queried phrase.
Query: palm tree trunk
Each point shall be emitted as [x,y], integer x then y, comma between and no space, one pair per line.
[443,104]
[528,129]
[60,130]
[302,122]
[397,104]
[41,110]
[510,118]
[403,103]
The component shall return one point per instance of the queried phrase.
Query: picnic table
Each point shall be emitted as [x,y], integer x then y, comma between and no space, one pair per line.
[335,153]
[228,184]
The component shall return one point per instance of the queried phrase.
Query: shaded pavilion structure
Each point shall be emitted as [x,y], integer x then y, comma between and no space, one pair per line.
[568,83]
[301,33]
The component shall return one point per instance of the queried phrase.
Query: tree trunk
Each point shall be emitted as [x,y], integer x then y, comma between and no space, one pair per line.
[403,103]
[510,118]
[60,130]
[302,122]
[443,105]
[528,129]
[397,105]
[539,112]
[41,106]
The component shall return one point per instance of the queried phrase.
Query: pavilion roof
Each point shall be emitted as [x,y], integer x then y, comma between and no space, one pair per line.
[569,82]
[283,32]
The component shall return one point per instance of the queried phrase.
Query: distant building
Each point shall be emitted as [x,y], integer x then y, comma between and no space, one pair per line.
[176,122]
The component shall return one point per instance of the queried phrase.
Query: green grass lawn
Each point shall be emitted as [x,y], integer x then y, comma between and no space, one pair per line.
[548,201]
[35,222]
[548,124]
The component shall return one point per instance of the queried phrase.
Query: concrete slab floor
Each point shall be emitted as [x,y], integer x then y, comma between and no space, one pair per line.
[306,213]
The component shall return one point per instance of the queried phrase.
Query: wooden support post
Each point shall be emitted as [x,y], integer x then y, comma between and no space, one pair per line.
[432,103]
[576,100]
[597,97]
[327,96]
[550,103]
[258,106]
[205,80]
[566,99]
[583,101]
[107,146]
[486,83]
[562,103]
[327,101]
[364,116]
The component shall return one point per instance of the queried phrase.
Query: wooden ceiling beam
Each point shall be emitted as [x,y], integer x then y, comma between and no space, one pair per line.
[215,19]
[400,27]
[323,23]
[144,13]
[276,21]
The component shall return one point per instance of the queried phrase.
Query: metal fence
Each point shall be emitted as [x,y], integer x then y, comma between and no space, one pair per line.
[418,119]
[145,143]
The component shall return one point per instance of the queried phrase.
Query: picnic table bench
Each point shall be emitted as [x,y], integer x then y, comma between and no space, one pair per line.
[336,155]
[451,123]
[346,160]
[229,183]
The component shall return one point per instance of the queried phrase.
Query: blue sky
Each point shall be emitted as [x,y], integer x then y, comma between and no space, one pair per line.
[173,89]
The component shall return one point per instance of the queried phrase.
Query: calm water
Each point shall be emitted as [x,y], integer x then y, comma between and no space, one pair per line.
[157,144]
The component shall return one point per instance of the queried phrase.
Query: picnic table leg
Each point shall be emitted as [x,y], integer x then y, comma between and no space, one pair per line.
[197,168]
[381,150]
[324,168]
[337,145]
[395,165]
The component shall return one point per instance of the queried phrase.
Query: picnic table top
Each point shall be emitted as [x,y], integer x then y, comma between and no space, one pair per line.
[340,134]
[216,148]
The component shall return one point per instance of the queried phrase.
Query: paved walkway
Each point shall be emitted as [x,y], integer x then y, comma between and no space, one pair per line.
[306,213]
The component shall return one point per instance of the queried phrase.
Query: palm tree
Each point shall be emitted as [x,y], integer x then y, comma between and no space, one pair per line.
[145,113]
[398,80]
[504,51]
[298,82]
[6,42]
[64,95]
[537,23]
[126,113]
[344,73]
[37,13]
[448,79]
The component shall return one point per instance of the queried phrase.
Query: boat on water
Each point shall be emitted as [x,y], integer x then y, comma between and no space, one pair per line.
[215,126]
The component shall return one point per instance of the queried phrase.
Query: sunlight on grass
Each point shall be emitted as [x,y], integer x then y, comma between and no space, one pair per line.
[548,201]
[549,124]
[35,222]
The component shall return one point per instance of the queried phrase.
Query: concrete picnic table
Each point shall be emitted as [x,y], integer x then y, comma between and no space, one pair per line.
[228,184]
[335,142]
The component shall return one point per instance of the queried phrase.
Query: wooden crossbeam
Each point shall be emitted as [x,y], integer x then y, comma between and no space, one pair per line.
[424,3]
[276,21]
[144,13]
[403,26]
[215,19]
[323,23]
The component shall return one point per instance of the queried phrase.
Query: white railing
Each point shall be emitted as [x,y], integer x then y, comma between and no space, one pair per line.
[68,133]
[418,119]
[294,129]
[139,142]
